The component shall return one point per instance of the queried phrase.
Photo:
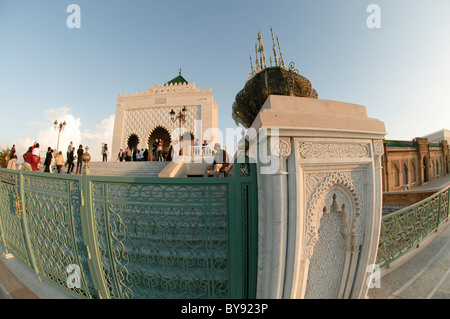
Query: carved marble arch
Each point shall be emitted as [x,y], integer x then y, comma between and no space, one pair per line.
[133,141]
[331,243]
[159,132]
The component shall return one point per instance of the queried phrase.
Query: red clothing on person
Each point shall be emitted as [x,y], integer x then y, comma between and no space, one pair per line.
[29,158]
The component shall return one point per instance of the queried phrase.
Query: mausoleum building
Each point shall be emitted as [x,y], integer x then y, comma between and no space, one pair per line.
[143,117]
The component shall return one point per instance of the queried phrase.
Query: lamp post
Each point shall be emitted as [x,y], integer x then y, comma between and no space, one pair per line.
[60,127]
[181,116]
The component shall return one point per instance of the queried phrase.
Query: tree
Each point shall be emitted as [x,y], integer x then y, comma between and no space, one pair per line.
[4,153]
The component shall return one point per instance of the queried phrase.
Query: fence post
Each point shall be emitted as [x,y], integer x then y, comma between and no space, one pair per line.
[26,233]
[439,211]
[89,231]
[448,201]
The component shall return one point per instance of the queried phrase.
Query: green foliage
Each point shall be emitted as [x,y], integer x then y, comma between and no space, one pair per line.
[4,153]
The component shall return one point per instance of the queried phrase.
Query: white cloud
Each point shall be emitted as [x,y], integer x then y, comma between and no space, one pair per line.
[73,131]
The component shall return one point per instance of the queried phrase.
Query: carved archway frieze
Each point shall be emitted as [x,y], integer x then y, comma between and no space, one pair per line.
[318,186]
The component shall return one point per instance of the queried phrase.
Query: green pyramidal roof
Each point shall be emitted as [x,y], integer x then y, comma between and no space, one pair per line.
[179,79]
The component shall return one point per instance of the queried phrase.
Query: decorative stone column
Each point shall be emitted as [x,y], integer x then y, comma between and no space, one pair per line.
[320,208]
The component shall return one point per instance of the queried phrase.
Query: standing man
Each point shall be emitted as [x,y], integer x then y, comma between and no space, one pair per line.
[105,152]
[80,153]
[48,160]
[121,156]
[69,150]
[13,151]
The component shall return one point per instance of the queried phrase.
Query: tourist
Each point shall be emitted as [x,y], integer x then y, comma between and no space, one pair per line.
[12,151]
[70,160]
[120,156]
[170,154]
[79,160]
[48,160]
[220,163]
[59,162]
[30,160]
[154,149]
[69,149]
[12,159]
[127,155]
[145,159]
[37,154]
[105,152]
[140,155]
[160,149]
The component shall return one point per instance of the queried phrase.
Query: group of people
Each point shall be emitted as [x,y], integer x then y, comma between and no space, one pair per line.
[157,149]
[71,159]
[157,153]
[32,159]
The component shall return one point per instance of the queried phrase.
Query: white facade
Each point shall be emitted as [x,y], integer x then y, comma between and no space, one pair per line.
[139,114]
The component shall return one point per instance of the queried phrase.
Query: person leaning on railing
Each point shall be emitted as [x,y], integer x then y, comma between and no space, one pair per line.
[221,161]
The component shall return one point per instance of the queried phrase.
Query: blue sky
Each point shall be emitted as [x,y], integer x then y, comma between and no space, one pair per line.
[400,72]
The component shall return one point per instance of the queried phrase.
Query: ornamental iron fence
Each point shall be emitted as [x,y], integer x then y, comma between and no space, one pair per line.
[405,229]
[122,237]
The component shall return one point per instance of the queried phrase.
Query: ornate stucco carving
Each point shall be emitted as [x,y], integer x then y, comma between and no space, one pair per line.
[322,150]
[317,186]
[280,146]
[378,147]
[143,121]
[335,211]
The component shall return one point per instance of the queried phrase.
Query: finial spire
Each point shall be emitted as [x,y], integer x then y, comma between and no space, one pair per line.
[257,61]
[281,54]
[261,50]
[180,71]
[275,56]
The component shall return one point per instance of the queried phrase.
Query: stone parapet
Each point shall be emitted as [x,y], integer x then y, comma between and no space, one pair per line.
[320,210]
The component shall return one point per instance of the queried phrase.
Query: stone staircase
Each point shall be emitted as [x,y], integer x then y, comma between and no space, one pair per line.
[127,169]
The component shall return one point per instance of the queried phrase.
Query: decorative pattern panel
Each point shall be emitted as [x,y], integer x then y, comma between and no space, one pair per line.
[142,121]
[329,150]
[327,262]
[11,234]
[163,241]
[334,229]
[54,219]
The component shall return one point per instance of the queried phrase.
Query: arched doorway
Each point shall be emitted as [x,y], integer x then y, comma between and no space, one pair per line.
[133,142]
[159,133]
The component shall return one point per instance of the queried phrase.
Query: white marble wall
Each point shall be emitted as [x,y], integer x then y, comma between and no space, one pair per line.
[320,210]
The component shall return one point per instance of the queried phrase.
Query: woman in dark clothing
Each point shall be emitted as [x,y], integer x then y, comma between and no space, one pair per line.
[80,153]
[48,160]
[70,162]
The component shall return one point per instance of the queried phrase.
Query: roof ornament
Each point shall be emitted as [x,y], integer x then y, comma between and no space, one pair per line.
[180,71]
[260,56]
[275,56]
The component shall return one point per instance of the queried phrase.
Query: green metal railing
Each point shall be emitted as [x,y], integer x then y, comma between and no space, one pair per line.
[110,237]
[405,229]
